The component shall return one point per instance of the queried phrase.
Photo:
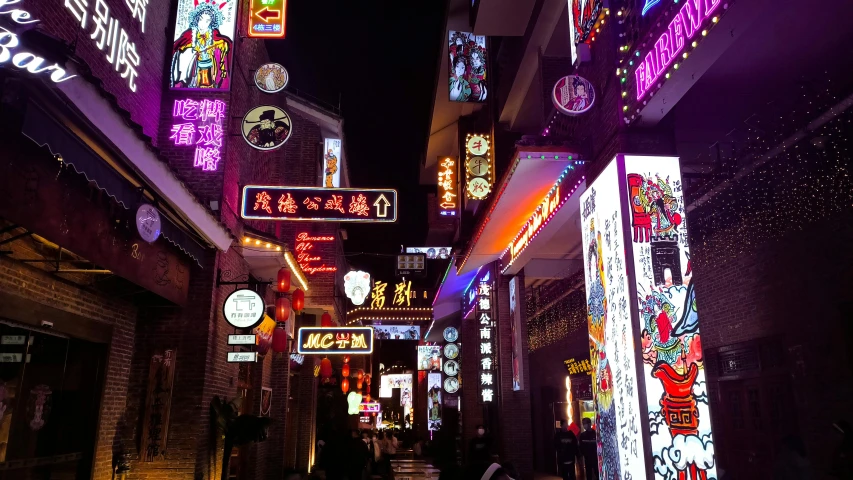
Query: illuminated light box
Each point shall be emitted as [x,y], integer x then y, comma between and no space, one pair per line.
[267,18]
[331,162]
[397,332]
[447,182]
[337,340]
[369,407]
[478,166]
[203,44]
[434,401]
[467,67]
[642,308]
[429,357]
[305,204]
[432,253]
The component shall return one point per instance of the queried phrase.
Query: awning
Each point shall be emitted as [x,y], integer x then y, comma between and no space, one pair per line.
[44,130]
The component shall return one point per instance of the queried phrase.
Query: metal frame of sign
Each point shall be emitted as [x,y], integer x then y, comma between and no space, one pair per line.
[389,194]
[261,319]
[368,331]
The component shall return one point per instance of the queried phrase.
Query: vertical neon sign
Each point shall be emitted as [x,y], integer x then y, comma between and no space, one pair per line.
[199,124]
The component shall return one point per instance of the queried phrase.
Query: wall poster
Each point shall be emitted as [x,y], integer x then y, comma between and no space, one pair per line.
[467,67]
[332,162]
[614,373]
[434,401]
[203,44]
[673,364]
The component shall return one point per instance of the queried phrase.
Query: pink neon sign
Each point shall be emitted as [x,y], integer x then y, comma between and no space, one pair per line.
[200,125]
[682,29]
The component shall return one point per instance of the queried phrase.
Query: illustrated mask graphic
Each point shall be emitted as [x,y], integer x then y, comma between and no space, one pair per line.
[357,286]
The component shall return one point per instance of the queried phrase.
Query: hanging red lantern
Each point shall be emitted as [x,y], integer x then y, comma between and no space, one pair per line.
[367,398]
[279,339]
[346,358]
[326,320]
[367,379]
[345,370]
[360,374]
[298,300]
[283,283]
[282,309]
[325,368]
[345,385]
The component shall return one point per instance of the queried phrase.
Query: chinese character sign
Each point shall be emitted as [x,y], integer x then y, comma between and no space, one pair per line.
[478,166]
[673,364]
[578,366]
[203,44]
[267,18]
[611,334]
[485,339]
[339,340]
[311,261]
[467,67]
[319,204]
[332,162]
[447,193]
[198,124]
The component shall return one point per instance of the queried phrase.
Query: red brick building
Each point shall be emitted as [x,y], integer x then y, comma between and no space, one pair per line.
[92,315]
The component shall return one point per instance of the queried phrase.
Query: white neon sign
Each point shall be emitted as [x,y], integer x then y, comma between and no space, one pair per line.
[23,59]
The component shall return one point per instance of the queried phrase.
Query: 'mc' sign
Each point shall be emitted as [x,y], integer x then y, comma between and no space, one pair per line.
[685,25]
[331,341]
[23,59]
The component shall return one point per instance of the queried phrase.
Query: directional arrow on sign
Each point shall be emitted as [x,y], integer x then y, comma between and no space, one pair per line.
[447,205]
[382,205]
[266,14]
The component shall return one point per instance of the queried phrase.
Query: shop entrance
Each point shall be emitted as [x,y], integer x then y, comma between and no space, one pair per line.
[50,395]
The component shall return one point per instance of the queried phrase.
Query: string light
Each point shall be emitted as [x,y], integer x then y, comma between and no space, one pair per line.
[554,315]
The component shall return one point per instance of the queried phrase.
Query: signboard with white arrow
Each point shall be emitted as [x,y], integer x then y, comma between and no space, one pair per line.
[307,204]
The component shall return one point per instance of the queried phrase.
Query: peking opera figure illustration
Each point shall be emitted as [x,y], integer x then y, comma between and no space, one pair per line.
[201,54]
[673,364]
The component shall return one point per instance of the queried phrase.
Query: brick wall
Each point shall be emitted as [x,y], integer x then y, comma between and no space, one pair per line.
[57,20]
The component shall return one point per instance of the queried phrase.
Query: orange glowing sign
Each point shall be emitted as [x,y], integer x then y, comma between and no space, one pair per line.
[478,166]
[536,222]
[266,18]
[308,258]
[447,187]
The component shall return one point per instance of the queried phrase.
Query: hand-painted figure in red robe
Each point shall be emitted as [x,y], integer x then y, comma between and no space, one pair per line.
[201,55]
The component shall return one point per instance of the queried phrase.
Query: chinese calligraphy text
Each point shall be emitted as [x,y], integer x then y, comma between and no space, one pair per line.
[307,204]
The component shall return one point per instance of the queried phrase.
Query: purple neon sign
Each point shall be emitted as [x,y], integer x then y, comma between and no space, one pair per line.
[199,124]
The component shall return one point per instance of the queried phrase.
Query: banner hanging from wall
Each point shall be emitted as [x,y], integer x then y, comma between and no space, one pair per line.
[203,44]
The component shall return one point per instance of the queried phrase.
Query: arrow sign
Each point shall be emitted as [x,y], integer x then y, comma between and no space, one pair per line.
[382,205]
[266,14]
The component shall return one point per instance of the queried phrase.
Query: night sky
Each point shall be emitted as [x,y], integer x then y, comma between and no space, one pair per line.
[378,60]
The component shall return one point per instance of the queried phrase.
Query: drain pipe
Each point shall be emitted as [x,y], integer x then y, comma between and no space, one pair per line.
[818,122]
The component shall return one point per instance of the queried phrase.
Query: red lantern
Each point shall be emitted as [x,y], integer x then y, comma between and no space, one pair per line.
[345,370]
[283,284]
[367,398]
[282,309]
[298,300]
[367,378]
[279,339]
[345,385]
[326,320]
[346,358]
[360,374]
[325,368]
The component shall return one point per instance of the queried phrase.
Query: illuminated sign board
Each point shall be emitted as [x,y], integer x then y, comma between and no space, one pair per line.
[432,253]
[447,187]
[308,258]
[397,332]
[305,204]
[332,162]
[369,407]
[402,295]
[551,204]
[357,286]
[198,123]
[487,369]
[429,357]
[469,296]
[25,60]
[338,340]
[611,335]
[478,166]
[266,18]
[203,44]
[467,67]
[271,78]
[578,366]
[411,265]
[434,401]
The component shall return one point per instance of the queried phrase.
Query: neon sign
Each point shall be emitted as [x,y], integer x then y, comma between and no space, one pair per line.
[478,166]
[486,336]
[683,27]
[266,18]
[306,204]
[447,187]
[339,340]
[201,127]
[108,35]
[25,60]
[304,247]
[369,407]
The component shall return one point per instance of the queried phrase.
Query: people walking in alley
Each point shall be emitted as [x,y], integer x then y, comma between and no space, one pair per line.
[357,456]
[480,448]
[566,445]
[589,450]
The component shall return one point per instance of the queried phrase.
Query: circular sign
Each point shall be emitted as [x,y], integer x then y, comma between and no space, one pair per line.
[451,368]
[451,334]
[573,95]
[478,187]
[148,222]
[266,127]
[477,145]
[244,308]
[477,166]
[271,78]
[451,351]
[451,384]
